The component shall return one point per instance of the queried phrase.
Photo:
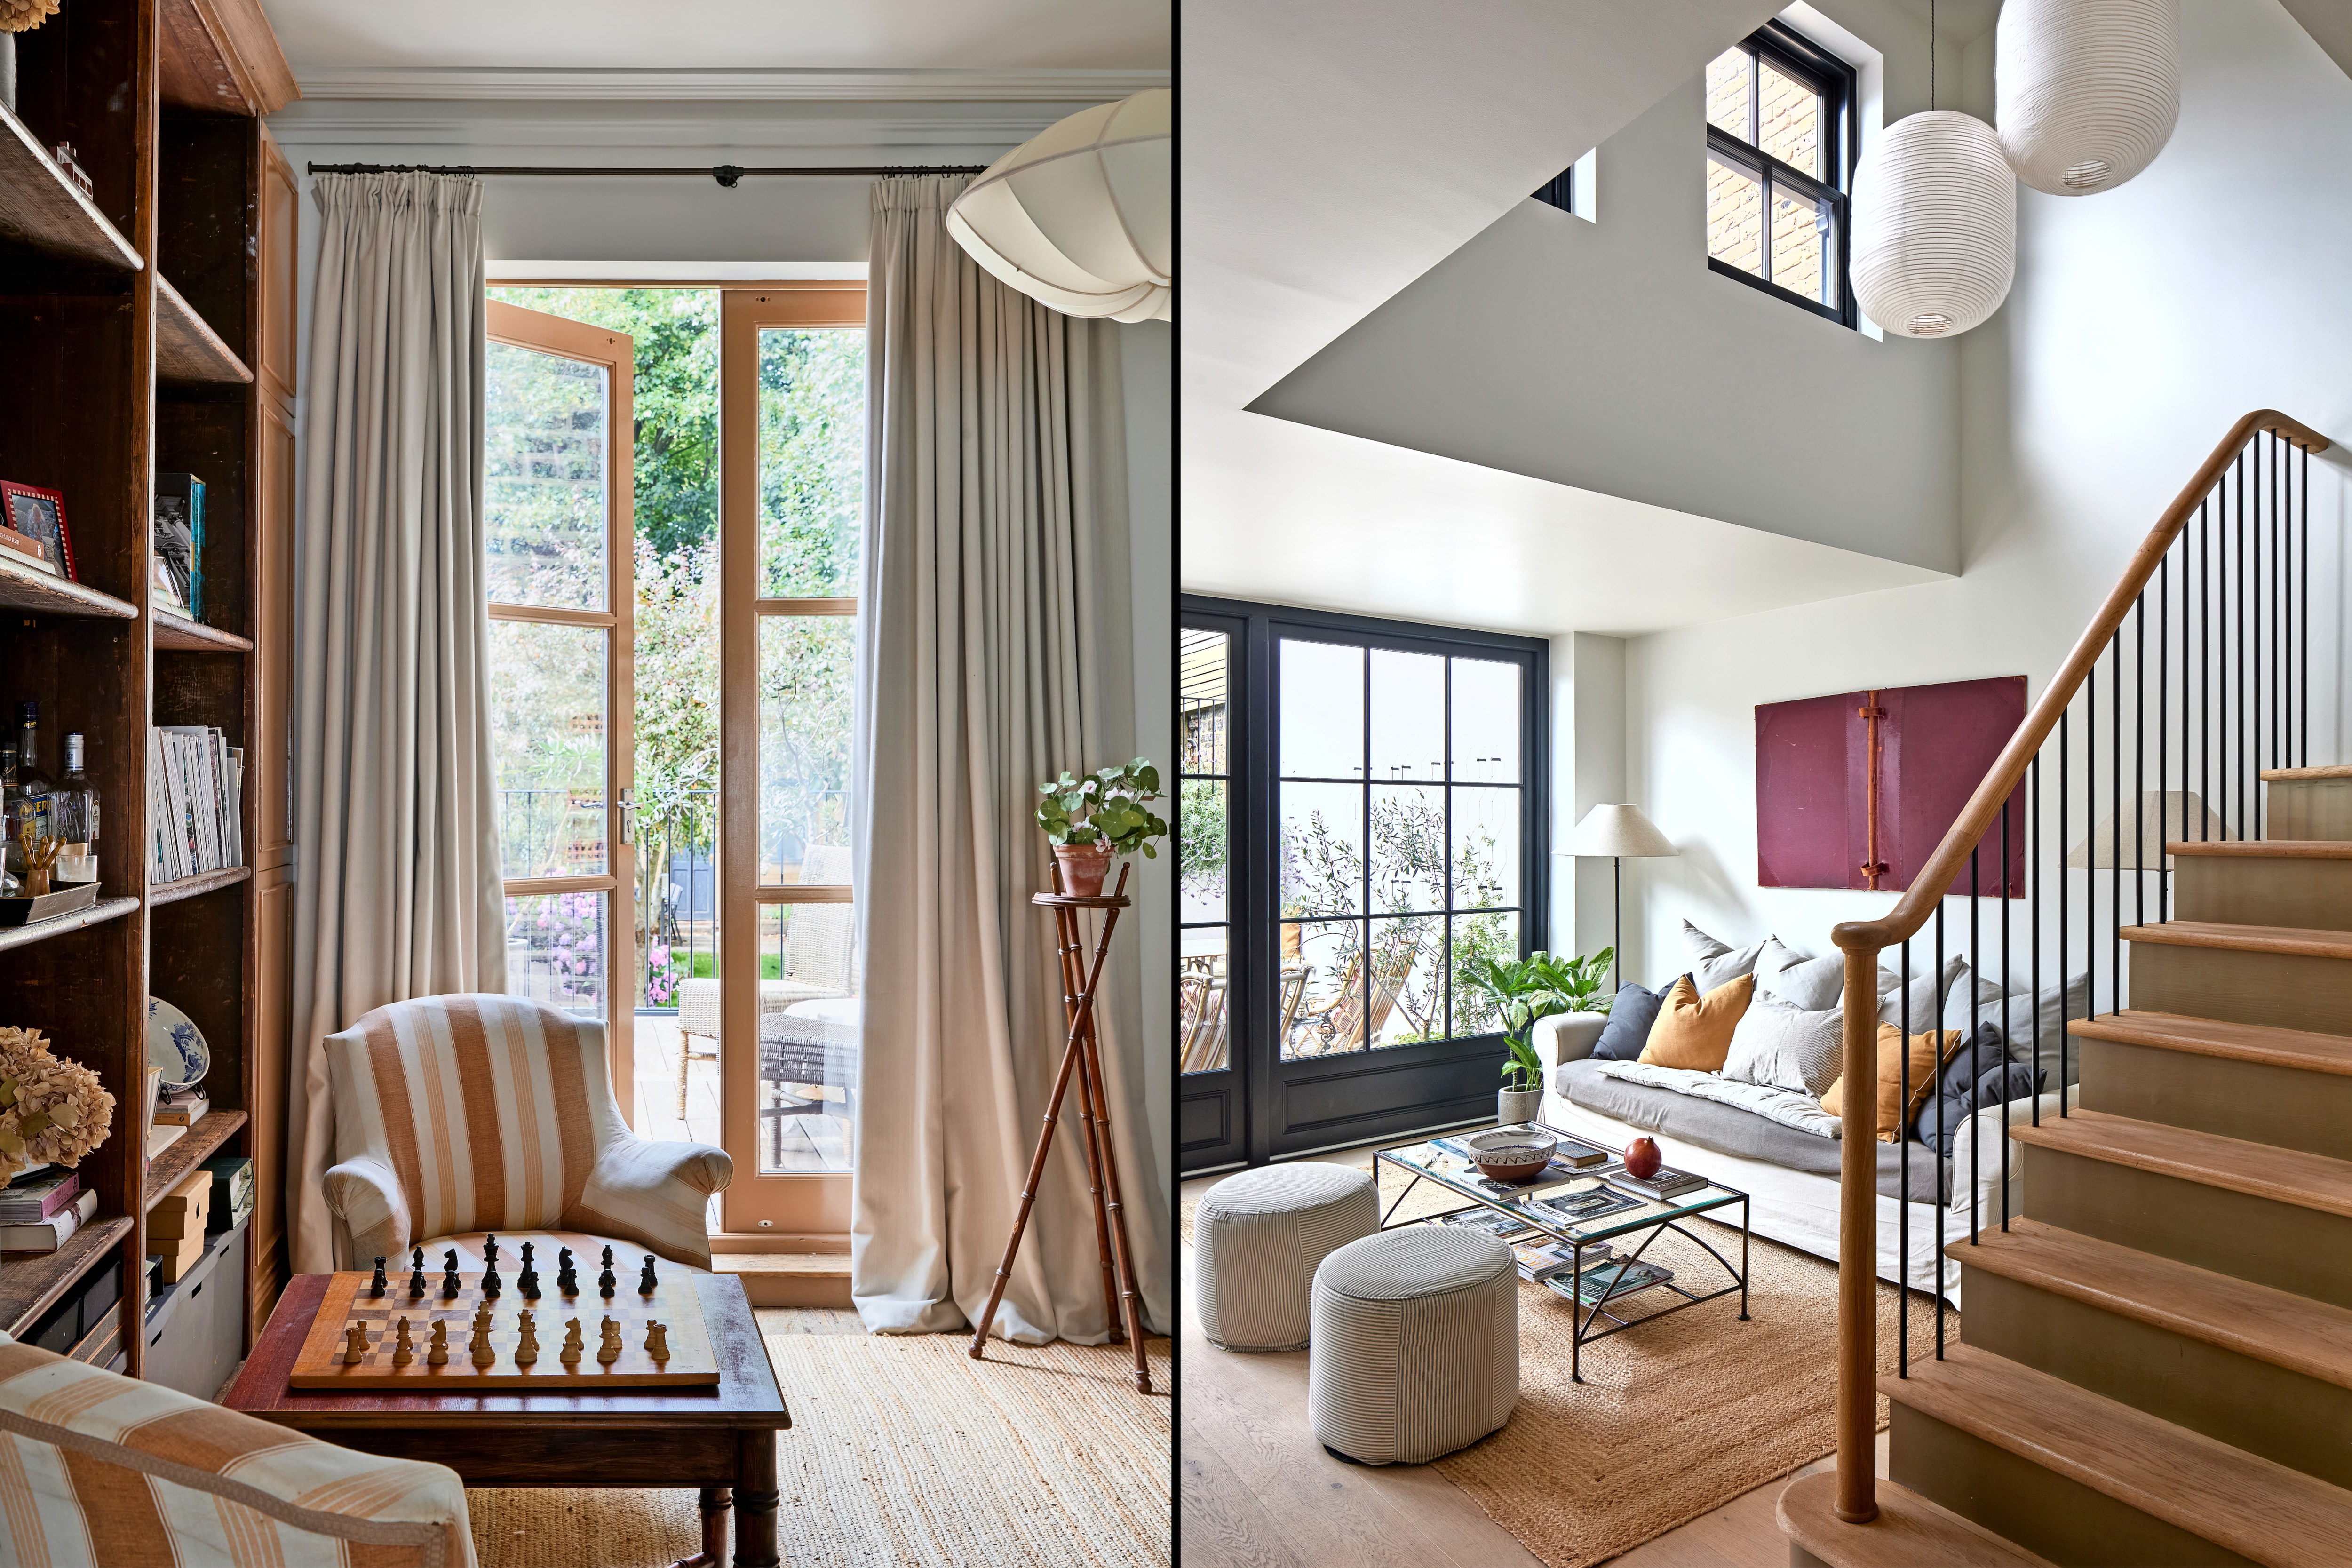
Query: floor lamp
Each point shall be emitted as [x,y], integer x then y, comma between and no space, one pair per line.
[1619,831]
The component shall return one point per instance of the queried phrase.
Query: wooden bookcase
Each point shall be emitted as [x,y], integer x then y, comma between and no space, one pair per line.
[144,330]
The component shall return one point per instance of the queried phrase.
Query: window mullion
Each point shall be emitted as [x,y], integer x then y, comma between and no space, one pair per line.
[1755,100]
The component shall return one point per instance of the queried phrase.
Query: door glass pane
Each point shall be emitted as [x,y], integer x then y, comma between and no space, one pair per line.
[812,460]
[805,668]
[1486,718]
[545,481]
[1408,716]
[1327,959]
[1790,116]
[555,950]
[1322,710]
[1727,92]
[1800,243]
[1202,871]
[1408,847]
[548,729]
[1735,217]
[1202,658]
[1485,847]
[1322,854]
[1203,1008]
[810,1019]
[1408,999]
[1488,936]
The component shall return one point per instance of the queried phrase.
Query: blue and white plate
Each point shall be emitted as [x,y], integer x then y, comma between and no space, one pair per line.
[175,1047]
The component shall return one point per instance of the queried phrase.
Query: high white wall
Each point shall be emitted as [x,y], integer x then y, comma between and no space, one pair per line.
[2142,322]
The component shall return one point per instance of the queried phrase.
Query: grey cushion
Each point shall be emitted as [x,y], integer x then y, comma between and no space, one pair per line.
[2018,1017]
[1258,1237]
[1713,962]
[1631,1013]
[1792,1047]
[1972,1081]
[1925,993]
[1811,984]
[1415,1350]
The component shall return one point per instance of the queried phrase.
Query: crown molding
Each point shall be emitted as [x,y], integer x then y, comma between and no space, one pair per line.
[749,84]
[630,139]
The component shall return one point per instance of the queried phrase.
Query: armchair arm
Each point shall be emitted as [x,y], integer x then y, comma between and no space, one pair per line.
[363,1193]
[1567,1038]
[654,1193]
[1976,1161]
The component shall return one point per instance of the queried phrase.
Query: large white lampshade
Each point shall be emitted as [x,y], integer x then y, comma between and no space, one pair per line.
[1934,226]
[1077,217]
[1619,830]
[2086,92]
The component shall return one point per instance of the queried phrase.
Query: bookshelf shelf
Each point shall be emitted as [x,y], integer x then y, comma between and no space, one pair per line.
[171,1167]
[98,913]
[38,594]
[203,882]
[193,637]
[31,1282]
[187,351]
[40,208]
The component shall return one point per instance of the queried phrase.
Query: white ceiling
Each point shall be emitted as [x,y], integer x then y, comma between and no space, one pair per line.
[678,35]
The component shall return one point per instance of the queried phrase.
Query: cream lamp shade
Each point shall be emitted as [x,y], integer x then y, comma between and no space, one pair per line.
[1619,831]
[1078,217]
[1934,226]
[2086,92]
[2146,825]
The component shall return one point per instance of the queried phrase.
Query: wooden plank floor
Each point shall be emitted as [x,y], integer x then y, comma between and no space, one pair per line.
[1257,1490]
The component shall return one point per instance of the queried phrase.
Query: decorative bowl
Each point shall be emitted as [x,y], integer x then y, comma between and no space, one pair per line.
[1511,1154]
[175,1047]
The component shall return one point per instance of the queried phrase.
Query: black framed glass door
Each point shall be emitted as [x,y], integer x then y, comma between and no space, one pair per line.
[1380,787]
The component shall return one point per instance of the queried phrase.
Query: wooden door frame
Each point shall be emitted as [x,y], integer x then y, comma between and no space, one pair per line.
[757,1206]
[616,351]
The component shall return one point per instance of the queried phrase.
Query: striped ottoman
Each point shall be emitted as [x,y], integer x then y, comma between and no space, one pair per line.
[1416,1344]
[1258,1236]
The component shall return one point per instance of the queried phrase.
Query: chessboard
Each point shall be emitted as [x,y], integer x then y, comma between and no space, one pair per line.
[674,1304]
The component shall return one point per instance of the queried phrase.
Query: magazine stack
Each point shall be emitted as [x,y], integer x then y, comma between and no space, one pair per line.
[194,782]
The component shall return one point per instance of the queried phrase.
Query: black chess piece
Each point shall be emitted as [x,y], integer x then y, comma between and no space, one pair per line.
[376,1286]
[491,1286]
[645,1277]
[416,1274]
[528,1283]
[450,1275]
[567,1279]
[490,1251]
[605,1283]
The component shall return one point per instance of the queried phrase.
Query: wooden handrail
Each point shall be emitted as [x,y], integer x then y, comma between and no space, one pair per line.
[1861,941]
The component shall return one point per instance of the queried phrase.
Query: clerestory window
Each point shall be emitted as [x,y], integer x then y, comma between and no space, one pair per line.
[1781,140]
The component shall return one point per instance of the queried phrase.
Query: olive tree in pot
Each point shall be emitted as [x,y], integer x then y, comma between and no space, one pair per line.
[1521,990]
[1089,820]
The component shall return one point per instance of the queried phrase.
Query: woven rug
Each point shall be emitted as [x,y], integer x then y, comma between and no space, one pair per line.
[906,1451]
[1675,1419]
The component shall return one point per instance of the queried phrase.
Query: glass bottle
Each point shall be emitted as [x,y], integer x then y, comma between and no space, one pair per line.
[74,805]
[29,794]
[7,815]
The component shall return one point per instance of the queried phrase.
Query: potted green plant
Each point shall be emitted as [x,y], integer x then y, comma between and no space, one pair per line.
[1522,991]
[1090,819]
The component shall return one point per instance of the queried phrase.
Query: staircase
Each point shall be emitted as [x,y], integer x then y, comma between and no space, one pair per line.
[2155,1364]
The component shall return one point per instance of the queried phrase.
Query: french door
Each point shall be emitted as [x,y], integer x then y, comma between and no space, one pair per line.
[557,490]
[1362,809]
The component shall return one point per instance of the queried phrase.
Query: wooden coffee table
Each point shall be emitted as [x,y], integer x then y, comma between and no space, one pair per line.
[720,1441]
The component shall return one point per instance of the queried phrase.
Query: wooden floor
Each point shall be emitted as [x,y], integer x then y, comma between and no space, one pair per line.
[1257,1492]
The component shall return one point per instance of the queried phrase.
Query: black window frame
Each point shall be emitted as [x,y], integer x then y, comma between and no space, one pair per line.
[1797,56]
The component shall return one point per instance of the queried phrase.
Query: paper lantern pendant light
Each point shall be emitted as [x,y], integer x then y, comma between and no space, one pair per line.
[1934,226]
[1077,217]
[2086,92]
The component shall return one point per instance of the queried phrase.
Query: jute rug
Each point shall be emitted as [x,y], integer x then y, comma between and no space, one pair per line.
[906,1451]
[1675,1419]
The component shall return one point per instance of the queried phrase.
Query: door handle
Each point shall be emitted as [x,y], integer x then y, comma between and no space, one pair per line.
[628,808]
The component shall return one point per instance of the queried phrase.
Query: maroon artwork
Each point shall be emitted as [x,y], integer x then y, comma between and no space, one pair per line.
[1857,790]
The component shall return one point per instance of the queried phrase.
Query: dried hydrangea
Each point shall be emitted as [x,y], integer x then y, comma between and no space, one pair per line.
[51,1111]
[23,15]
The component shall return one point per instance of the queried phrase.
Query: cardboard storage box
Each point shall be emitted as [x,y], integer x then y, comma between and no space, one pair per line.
[179,1215]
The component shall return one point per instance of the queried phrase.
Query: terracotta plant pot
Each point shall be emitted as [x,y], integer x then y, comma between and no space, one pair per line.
[1083,867]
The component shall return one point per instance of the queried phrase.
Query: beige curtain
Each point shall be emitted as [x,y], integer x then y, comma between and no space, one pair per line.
[994,646]
[397,892]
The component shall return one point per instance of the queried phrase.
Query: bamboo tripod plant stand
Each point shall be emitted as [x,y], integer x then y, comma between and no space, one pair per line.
[1083,1056]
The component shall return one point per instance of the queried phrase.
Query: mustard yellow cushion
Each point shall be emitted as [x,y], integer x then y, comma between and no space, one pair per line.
[1695,1031]
[1927,1052]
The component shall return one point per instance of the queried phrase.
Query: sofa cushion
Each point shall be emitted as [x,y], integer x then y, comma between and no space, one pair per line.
[1631,1013]
[1811,984]
[1786,1046]
[1926,1053]
[1925,994]
[1962,1089]
[1695,1031]
[1715,963]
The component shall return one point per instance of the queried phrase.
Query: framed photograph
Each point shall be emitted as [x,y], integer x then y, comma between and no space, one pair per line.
[40,515]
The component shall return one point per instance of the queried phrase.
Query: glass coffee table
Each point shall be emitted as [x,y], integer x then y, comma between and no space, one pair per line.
[1565,1215]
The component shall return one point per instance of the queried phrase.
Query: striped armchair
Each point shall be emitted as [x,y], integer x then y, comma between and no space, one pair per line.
[456,1115]
[106,1470]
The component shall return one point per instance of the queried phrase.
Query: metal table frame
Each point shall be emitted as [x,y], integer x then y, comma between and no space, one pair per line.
[1715,1195]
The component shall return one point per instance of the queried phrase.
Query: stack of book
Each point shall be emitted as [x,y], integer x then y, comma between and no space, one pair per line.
[1539,1260]
[41,1215]
[195,782]
[179,542]
[1578,1209]
[181,1108]
[1506,1227]
[1623,1278]
[1663,1185]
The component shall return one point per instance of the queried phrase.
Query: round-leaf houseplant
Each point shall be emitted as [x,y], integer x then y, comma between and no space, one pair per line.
[1521,990]
[1090,819]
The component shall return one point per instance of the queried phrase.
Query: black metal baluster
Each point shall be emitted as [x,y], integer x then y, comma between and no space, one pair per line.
[2163,712]
[2006,892]
[2205,672]
[2303,750]
[2115,810]
[2034,853]
[2065,886]
[1903,1207]
[1943,1133]
[2245,599]
[1975,958]
[2139,763]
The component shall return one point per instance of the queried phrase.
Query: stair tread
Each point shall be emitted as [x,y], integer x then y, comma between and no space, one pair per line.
[2302,1048]
[2248,1505]
[1909,1530]
[2259,1321]
[2264,849]
[2304,941]
[2260,1170]
[2335,771]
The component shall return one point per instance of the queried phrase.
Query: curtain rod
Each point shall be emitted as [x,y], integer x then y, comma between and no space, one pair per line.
[726,175]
